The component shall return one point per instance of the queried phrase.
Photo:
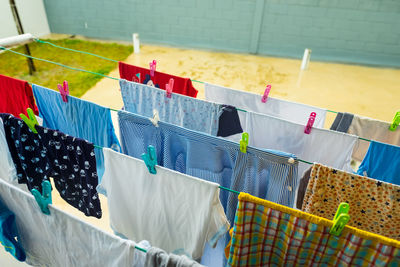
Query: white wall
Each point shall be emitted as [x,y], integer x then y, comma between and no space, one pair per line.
[32,14]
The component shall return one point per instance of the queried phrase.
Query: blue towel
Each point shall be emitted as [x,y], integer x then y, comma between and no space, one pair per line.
[78,118]
[382,162]
[9,234]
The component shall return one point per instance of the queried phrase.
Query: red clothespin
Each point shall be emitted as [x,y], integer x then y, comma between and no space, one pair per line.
[266,93]
[152,67]
[310,123]
[169,87]
[136,78]
[64,91]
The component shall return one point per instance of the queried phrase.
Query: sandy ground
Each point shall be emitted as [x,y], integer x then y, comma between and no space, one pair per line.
[362,90]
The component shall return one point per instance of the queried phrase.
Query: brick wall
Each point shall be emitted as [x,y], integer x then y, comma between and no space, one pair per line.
[358,31]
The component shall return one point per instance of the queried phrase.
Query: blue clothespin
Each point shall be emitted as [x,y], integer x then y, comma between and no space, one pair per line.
[31,121]
[150,159]
[395,122]
[244,142]
[43,199]
[341,218]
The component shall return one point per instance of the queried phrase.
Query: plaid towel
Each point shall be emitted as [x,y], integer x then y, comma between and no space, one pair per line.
[268,234]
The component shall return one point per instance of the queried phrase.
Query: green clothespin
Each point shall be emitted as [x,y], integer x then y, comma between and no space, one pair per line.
[43,199]
[31,121]
[244,142]
[150,159]
[395,122]
[341,219]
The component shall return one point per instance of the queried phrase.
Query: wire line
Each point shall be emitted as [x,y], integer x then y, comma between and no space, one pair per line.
[95,73]
[56,63]
[74,50]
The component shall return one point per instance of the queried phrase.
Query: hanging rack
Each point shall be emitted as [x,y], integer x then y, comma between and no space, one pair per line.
[106,76]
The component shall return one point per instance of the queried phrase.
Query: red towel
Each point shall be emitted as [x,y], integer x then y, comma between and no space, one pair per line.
[16,96]
[182,86]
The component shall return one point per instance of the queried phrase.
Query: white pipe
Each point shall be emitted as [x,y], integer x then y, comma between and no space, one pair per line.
[14,40]
[136,43]
[306,59]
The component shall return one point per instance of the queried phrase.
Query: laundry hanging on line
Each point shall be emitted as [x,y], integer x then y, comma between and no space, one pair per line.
[283,109]
[16,96]
[191,113]
[79,118]
[268,234]
[381,162]
[268,174]
[200,217]
[374,204]
[48,153]
[181,85]
[366,128]
[321,145]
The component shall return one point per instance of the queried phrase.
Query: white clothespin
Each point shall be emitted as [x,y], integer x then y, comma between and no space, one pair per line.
[156,118]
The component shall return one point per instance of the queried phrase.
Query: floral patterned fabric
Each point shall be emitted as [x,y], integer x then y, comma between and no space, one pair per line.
[374,205]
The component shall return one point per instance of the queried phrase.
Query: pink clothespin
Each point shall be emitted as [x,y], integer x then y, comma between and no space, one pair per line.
[152,67]
[310,123]
[169,87]
[64,91]
[266,93]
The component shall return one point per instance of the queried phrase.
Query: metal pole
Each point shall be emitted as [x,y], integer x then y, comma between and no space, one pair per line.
[14,10]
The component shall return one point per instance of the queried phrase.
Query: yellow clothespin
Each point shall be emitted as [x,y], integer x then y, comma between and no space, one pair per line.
[341,219]
[244,142]
[31,121]
[395,122]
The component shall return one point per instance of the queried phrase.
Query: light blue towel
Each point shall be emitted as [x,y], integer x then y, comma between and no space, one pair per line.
[188,112]
[78,118]
[382,162]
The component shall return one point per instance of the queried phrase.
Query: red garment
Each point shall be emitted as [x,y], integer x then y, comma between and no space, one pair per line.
[16,96]
[182,86]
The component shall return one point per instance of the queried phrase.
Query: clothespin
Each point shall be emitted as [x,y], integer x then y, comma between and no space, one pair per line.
[153,67]
[156,118]
[64,91]
[43,199]
[310,123]
[266,93]
[150,159]
[244,142]
[395,122]
[341,218]
[136,78]
[169,87]
[31,121]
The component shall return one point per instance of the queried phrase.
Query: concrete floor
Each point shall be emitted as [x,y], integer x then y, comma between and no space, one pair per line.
[366,91]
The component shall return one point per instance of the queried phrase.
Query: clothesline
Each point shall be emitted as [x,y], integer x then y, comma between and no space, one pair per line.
[95,73]
[113,60]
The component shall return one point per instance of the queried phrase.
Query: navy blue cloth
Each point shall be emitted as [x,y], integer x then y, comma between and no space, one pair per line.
[342,122]
[9,237]
[382,162]
[70,161]
[148,78]
[229,122]
[78,118]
